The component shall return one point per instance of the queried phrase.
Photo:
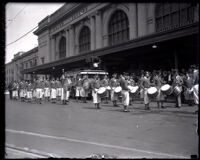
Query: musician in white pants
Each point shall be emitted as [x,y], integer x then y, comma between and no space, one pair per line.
[66,90]
[113,84]
[95,86]
[178,81]
[125,91]
[145,84]
[158,81]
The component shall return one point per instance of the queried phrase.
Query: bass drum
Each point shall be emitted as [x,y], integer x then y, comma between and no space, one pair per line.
[152,92]
[166,89]
[101,92]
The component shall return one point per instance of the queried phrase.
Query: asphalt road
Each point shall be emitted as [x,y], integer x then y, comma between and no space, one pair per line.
[79,130]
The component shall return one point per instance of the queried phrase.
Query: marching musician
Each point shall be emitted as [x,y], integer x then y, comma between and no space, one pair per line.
[145,85]
[104,83]
[53,90]
[15,89]
[46,89]
[58,89]
[67,88]
[22,90]
[96,83]
[188,83]
[113,84]
[123,81]
[29,91]
[131,83]
[78,87]
[178,82]
[85,88]
[158,82]
[39,90]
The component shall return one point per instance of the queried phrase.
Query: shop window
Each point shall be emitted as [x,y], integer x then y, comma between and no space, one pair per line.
[173,15]
[118,29]
[62,47]
[84,40]
[42,60]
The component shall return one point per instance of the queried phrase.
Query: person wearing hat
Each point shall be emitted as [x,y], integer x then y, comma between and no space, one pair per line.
[104,83]
[29,92]
[53,90]
[113,84]
[67,88]
[95,86]
[178,82]
[46,89]
[123,81]
[85,88]
[145,85]
[78,87]
[158,82]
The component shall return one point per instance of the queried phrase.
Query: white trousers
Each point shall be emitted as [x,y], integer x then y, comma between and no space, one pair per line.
[47,92]
[29,95]
[15,94]
[113,95]
[58,91]
[146,97]
[39,93]
[22,93]
[65,94]
[53,93]
[96,97]
[125,97]
[78,91]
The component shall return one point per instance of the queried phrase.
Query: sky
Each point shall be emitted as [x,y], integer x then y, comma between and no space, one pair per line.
[20,18]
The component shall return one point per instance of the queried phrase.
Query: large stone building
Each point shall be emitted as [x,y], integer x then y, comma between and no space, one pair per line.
[125,36]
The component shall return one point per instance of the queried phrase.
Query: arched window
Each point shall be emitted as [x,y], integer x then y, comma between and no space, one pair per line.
[173,15]
[84,40]
[62,47]
[118,29]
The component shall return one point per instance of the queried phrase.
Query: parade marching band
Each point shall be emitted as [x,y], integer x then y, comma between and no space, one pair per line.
[155,86]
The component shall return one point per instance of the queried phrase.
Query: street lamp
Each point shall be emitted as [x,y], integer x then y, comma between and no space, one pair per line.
[154,46]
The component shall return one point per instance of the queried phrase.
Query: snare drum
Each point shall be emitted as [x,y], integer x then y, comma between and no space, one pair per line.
[152,92]
[177,90]
[101,91]
[166,89]
[118,90]
[108,88]
[134,90]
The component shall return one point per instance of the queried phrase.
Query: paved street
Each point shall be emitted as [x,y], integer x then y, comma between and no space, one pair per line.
[80,130]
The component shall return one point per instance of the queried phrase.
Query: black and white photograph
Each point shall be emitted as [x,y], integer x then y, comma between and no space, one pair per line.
[102,80]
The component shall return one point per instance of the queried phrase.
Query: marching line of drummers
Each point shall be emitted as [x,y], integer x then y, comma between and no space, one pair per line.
[125,86]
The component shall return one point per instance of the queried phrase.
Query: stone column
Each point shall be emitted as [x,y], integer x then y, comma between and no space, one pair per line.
[92,22]
[71,41]
[133,20]
[48,49]
[142,19]
[53,48]
[99,27]
[67,41]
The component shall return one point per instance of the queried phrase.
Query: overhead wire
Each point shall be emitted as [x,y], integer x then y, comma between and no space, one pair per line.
[22,36]
[11,20]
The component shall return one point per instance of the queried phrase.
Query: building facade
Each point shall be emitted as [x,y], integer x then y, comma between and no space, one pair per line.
[120,34]
[21,61]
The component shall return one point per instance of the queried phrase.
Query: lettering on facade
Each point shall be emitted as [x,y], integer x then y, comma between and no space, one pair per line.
[73,17]
[76,15]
